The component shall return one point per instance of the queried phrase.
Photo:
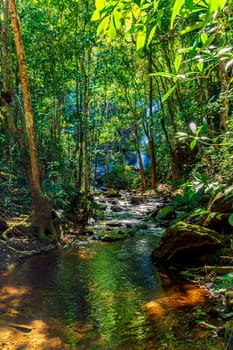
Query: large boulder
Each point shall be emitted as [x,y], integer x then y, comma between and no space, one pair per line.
[186,244]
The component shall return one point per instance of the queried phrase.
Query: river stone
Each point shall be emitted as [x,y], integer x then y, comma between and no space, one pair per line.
[186,244]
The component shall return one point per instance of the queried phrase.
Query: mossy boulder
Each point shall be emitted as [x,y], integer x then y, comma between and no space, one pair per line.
[111,193]
[162,214]
[184,244]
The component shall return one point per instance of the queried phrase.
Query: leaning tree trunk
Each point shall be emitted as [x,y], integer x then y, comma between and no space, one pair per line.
[42,207]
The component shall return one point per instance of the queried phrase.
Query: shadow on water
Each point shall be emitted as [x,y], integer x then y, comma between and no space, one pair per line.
[99,296]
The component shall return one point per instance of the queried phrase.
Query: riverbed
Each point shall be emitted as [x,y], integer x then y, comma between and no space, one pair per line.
[103,294]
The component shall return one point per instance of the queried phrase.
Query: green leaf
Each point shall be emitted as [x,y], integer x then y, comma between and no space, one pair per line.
[112,30]
[95,16]
[117,18]
[208,41]
[141,38]
[189,4]
[177,63]
[164,74]
[215,5]
[191,28]
[230,219]
[200,66]
[156,4]
[168,93]
[99,4]
[193,144]
[102,28]
[151,35]
[176,10]
[204,37]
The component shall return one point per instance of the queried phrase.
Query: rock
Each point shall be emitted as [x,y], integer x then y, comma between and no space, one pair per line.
[112,193]
[186,244]
[136,200]
[165,213]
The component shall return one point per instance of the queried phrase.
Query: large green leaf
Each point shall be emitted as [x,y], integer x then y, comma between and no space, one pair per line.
[177,63]
[99,4]
[168,93]
[164,74]
[176,10]
[141,38]
[151,35]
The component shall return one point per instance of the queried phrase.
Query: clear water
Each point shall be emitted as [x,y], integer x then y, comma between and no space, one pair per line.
[110,296]
[99,288]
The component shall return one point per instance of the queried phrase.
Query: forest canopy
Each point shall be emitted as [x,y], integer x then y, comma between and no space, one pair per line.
[114,93]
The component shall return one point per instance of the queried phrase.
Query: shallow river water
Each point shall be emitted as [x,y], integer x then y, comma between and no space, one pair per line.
[104,295]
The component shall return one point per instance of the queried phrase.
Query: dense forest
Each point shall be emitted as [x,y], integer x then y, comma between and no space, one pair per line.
[110,96]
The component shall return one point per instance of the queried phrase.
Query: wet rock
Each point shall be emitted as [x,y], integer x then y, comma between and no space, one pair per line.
[186,244]
[116,209]
[136,200]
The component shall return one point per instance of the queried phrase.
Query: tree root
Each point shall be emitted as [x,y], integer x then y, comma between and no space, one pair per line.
[16,251]
[9,229]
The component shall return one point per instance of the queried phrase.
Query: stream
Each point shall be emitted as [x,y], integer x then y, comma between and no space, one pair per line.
[102,295]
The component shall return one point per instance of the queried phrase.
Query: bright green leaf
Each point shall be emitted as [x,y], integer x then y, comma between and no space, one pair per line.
[193,144]
[102,28]
[151,35]
[95,16]
[112,30]
[204,37]
[191,28]
[117,18]
[164,74]
[141,38]
[168,93]
[177,63]
[99,4]
[200,66]
[176,10]
[156,4]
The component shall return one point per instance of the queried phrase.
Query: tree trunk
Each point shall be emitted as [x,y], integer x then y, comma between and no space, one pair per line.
[42,207]
[140,163]
[151,140]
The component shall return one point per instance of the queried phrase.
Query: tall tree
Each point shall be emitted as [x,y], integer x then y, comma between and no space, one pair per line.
[42,207]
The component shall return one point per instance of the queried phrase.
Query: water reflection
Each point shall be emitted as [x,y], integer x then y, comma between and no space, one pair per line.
[108,296]
[105,286]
